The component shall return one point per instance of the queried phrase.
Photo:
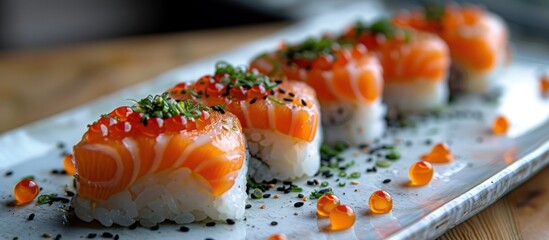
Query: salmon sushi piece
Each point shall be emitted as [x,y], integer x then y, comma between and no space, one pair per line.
[477,39]
[161,159]
[280,118]
[348,82]
[415,64]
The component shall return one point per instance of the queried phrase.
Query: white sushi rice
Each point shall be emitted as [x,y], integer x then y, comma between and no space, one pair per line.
[415,96]
[353,123]
[478,82]
[278,156]
[175,195]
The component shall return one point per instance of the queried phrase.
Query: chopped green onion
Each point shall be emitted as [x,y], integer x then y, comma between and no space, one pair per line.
[47,198]
[257,194]
[382,163]
[393,155]
[354,175]
[342,184]
[324,184]
[296,189]
[342,174]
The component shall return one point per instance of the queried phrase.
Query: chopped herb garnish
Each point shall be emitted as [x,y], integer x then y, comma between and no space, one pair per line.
[342,184]
[382,163]
[219,108]
[241,77]
[342,174]
[324,184]
[393,155]
[316,194]
[273,99]
[296,189]
[354,175]
[161,106]
[257,193]
[186,229]
[29,177]
[310,49]
[46,199]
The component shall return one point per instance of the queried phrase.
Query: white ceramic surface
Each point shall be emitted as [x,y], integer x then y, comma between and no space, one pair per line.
[487,166]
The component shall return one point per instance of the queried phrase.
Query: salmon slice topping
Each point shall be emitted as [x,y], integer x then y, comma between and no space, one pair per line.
[475,37]
[405,54]
[156,135]
[335,71]
[258,100]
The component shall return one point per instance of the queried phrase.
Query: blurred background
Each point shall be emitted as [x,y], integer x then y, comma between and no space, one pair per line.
[59,54]
[30,24]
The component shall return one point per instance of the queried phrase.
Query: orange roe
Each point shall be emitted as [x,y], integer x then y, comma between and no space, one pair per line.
[68,165]
[342,217]
[439,154]
[544,85]
[500,125]
[381,202]
[278,236]
[326,204]
[25,191]
[421,173]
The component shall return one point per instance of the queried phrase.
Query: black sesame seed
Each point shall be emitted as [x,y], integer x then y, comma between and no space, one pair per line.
[298,204]
[300,195]
[15,238]
[288,99]
[69,193]
[155,227]
[278,81]
[248,206]
[387,180]
[92,235]
[272,92]
[60,145]
[274,223]
[303,102]
[183,229]
[54,171]
[280,90]
[64,172]
[116,237]
[230,221]
[133,226]
[428,142]
[287,182]
[31,217]
[8,173]
[281,189]
[266,195]
[210,224]
[310,182]
[58,237]
[208,239]
[291,94]
[288,190]
[106,235]
[265,97]
[253,100]
[369,159]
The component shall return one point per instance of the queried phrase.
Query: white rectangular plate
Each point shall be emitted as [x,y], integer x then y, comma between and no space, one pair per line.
[487,166]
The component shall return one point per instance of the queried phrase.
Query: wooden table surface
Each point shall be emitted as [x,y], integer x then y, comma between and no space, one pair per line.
[40,83]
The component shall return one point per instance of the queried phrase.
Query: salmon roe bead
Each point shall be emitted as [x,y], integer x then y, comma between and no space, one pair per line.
[326,204]
[278,236]
[544,85]
[342,217]
[381,202]
[439,154]
[68,165]
[500,125]
[25,191]
[421,173]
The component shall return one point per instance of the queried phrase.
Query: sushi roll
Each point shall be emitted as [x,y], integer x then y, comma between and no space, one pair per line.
[161,159]
[348,82]
[281,119]
[415,64]
[478,42]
